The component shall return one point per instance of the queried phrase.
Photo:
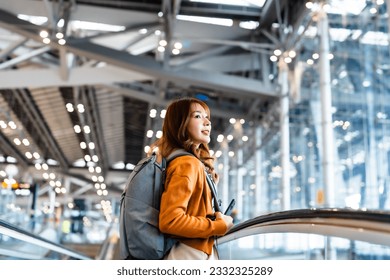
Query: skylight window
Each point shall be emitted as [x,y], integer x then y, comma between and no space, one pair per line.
[244,3]
[343,7]
[37,20]
[217,21]
[249,24]
[375,38]
[339,34]
[86,25]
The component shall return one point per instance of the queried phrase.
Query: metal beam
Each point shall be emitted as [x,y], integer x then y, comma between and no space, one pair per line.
[38,78]
[7,147]
[146,65]
[24,57]
[12,47]
[33,114]
[154,99]
[82,190]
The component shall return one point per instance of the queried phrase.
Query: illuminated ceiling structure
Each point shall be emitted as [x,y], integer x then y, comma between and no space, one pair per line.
[79,78]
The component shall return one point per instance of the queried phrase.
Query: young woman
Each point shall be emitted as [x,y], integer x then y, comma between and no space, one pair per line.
[186,210]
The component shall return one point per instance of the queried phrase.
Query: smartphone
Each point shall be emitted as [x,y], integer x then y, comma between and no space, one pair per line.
[230,207]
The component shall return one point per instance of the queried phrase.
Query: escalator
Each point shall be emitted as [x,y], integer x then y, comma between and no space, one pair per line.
[310,234]
[17,243]
[303,234]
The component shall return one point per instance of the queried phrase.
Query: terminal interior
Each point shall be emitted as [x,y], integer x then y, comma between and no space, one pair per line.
[300,118]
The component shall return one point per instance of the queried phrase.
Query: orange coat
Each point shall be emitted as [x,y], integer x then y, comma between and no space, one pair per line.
[186,202]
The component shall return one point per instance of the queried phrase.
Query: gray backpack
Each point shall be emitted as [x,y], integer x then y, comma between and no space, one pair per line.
[140,237]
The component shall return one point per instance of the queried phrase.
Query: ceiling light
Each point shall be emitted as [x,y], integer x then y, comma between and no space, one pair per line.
[178,45]
[3,124]
[309,5]
[83,145]
[143,31]
[153,113]
[287,59]
[17,141]
[292,53]
[61,42]
[69,107]
[277,52]
[44,34]
[77,128]
[26,142]
[310,61]
[80,108]
[149,133]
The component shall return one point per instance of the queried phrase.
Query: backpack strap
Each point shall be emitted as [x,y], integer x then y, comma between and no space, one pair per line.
[213,189]
[178,153]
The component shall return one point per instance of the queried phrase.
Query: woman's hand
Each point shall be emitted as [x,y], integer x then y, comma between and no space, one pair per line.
[227,219]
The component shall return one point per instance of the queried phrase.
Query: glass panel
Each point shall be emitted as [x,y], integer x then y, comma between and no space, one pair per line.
[300,246]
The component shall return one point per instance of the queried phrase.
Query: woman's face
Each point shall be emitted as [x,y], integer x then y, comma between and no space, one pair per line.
[199,126]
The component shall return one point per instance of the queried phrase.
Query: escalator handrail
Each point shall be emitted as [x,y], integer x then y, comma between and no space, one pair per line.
[340,213]
[312,216]
[21,234]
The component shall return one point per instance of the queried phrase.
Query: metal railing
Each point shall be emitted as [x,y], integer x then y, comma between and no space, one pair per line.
[26,237]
